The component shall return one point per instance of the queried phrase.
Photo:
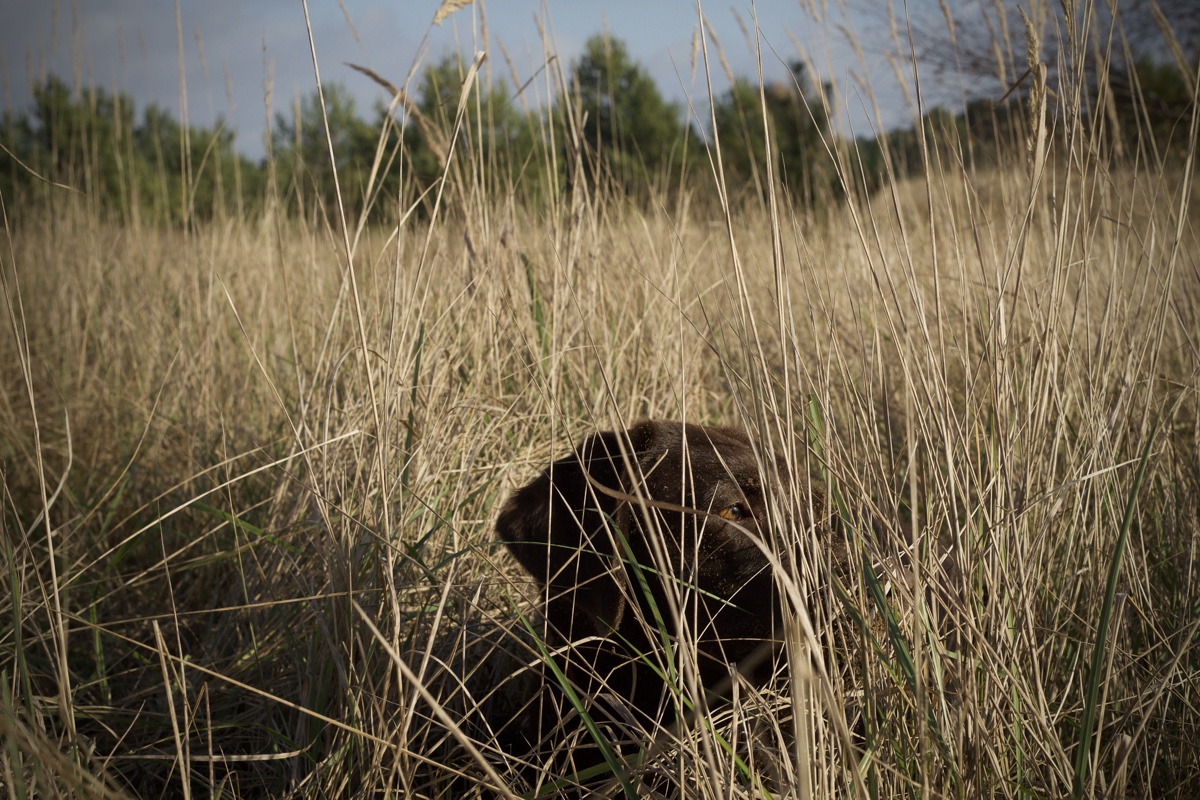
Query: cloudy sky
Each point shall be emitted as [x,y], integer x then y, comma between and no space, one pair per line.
[234,49]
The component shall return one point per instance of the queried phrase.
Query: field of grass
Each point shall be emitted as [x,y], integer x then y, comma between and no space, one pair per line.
[250,470]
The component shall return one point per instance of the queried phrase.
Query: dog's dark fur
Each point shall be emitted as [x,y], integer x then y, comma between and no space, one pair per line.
[657,538]
[662,532]
[651,530]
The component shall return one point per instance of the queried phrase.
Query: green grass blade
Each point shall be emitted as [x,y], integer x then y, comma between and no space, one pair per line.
[1090,709]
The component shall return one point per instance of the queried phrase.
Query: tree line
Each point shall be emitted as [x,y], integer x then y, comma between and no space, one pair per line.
[609,127]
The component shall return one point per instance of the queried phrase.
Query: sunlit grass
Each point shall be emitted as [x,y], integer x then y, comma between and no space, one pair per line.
[250,471]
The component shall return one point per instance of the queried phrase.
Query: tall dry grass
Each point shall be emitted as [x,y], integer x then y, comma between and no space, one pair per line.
[250,471]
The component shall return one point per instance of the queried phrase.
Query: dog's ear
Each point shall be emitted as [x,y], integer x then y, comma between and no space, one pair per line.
[563,529]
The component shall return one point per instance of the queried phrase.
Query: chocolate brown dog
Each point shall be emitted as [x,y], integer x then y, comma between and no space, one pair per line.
[654,535]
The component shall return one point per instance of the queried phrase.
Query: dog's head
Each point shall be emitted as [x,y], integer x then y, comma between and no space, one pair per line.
[663,526]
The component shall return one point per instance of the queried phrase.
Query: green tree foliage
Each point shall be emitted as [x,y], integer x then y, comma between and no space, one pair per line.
[496,145]
[137,172]
[632,143]
[986,134]
[797,118]
[385,165]
[70,141]
[302,155]
[1152,96]
[1136,83]
[629,131]
[1148,107]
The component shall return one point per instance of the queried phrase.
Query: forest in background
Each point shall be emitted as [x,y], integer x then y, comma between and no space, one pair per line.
[145,167]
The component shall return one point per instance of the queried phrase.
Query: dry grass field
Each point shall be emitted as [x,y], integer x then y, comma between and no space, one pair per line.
[251,467]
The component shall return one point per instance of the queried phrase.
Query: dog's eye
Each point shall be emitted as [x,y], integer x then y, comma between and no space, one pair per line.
[734,512]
